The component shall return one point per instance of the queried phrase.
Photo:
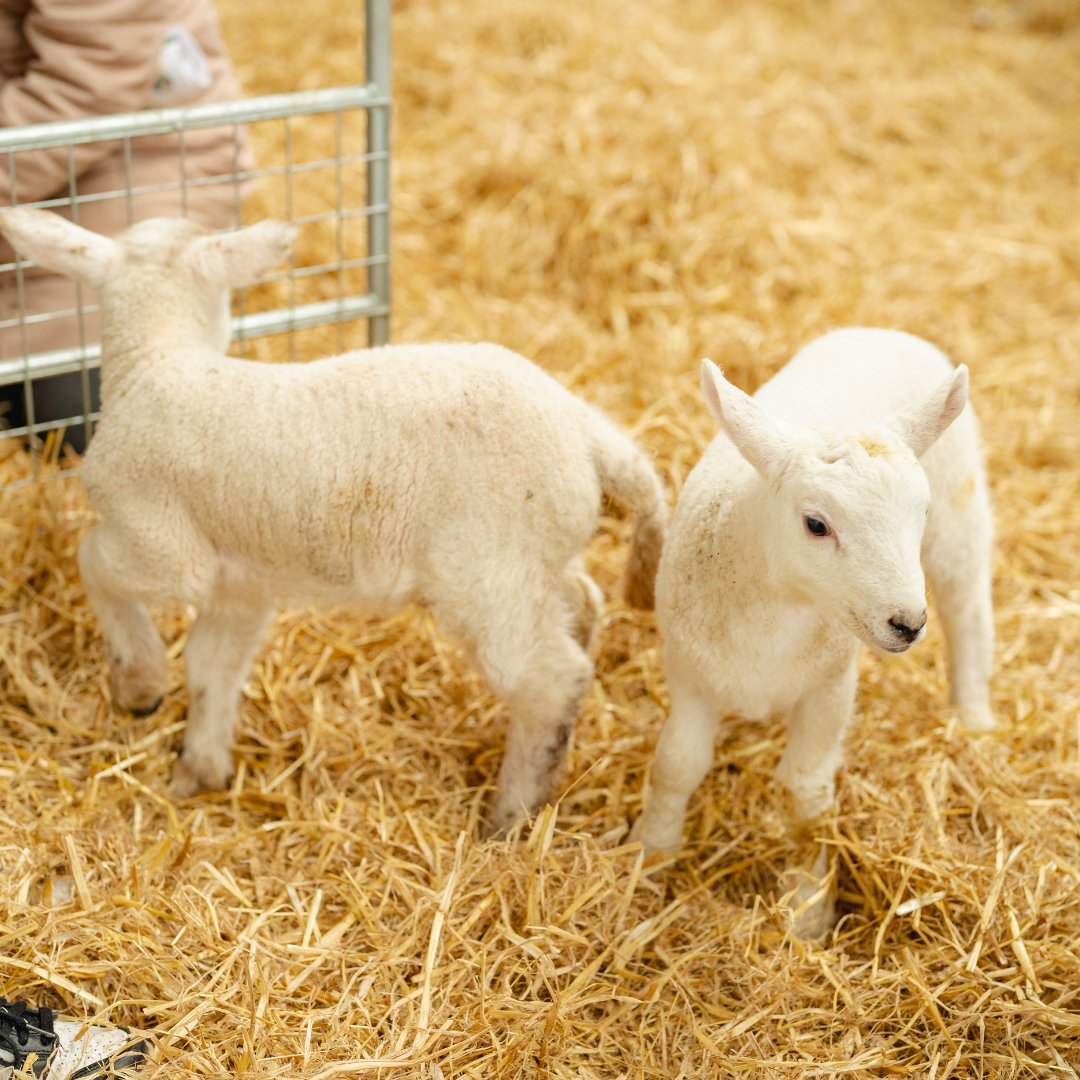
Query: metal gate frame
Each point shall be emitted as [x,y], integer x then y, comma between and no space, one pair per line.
[373,95]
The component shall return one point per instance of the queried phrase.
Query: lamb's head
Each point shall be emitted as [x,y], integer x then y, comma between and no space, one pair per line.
[157,259]
[845,511]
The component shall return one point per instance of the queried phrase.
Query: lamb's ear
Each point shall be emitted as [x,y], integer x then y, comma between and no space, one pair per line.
[234,259]
[764,441]
[58,244]
[922,424]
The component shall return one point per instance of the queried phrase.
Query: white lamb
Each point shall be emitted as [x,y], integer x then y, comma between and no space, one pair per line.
[460,477]
[797,536]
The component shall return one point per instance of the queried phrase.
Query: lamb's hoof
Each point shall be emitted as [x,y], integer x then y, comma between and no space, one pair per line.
[190,776]
[810,898]
[137,689]
[655,841]
[499,824]
[980,719]
[812,922]
[146,710]
[184,781]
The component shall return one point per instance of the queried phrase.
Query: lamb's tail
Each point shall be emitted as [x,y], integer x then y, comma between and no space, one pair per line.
[628,479]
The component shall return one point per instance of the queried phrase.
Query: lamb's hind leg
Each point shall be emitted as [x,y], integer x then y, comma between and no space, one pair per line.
[221,646]
[138,665]
[585,602]
[530,657]
[957,552]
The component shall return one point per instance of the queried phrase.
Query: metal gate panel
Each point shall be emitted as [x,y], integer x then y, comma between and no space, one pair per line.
[329,173]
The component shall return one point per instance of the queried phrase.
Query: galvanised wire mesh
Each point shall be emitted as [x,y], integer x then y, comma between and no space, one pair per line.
[318,158]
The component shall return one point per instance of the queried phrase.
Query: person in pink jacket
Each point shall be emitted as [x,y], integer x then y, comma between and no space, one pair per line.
[68,59]
[65,60]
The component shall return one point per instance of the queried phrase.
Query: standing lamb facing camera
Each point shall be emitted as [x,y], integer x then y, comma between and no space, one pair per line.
[798,535]
[460,477]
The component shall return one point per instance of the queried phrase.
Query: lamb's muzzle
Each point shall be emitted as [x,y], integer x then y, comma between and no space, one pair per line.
[907,629]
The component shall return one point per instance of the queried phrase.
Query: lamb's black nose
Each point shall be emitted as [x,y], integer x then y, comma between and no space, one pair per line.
[905,632]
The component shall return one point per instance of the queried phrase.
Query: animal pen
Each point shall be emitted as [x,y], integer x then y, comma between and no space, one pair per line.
[344,197]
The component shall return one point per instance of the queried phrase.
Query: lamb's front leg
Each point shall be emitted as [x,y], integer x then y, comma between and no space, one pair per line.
[816,729]
[221,646]
[138,665]
[684,755]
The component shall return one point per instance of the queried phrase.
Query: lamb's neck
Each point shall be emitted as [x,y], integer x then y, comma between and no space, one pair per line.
[133,340]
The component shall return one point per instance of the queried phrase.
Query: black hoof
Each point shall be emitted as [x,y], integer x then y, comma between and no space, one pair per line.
[146,710]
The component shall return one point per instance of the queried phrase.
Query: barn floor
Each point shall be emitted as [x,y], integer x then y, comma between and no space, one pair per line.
[615,189]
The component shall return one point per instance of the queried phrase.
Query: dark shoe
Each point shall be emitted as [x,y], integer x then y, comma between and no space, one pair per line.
[56,1049]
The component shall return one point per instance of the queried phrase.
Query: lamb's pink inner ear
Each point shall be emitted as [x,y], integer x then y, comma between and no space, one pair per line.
[922,425]
[956,398]
[60,245]
[710,374]
[761,440]
[243,257]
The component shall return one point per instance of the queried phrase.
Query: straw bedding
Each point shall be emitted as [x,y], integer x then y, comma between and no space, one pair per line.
[616,189]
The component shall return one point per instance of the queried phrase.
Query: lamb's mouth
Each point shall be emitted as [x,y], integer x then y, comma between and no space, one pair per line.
[868,637]
[896,647]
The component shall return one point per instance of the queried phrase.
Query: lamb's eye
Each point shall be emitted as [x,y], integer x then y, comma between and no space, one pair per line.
[815,526]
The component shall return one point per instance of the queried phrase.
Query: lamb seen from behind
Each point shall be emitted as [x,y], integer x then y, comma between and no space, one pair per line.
[460,477]
[797,536]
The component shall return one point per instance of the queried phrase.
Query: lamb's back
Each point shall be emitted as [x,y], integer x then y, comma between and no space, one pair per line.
[372,449]
[854,378]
